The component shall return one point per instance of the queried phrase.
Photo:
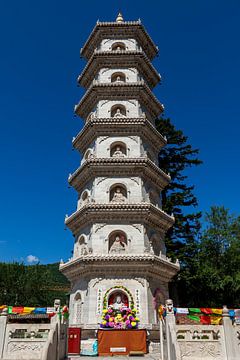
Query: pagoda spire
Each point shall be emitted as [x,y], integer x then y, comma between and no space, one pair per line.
[119,18]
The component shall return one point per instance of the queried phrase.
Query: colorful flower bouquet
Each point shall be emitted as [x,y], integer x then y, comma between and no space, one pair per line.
[123,318]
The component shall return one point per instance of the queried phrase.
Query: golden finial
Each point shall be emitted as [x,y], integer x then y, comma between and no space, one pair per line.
[119,18]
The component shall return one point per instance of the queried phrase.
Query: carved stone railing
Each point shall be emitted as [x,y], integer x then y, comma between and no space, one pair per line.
[50,350]
[24,339]
[201,342]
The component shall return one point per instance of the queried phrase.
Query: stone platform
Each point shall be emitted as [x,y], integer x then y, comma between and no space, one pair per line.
[118,357]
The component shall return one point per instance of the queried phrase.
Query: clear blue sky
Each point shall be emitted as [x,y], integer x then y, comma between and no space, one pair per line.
[39,64]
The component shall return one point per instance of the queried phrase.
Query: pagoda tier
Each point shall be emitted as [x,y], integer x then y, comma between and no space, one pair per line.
[117,92]
[118,31]
[123,126]
[120,59]
[137,265]
[121,167]
[117,213]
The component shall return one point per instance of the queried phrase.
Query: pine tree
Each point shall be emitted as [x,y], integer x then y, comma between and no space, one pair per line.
[178,197]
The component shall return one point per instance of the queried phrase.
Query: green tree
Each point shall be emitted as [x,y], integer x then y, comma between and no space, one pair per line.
[178,197]
[219,258]
[35,285]
[213,277]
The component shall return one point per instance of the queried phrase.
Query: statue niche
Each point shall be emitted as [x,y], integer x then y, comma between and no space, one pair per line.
[118,194]
[117,243]
[117,300]
[118,111]
[82,246]
[118,77]
[118,150]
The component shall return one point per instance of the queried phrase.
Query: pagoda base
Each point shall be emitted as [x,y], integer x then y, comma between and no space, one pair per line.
[88,336]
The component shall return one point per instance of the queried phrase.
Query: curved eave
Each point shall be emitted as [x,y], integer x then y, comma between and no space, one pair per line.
[122,127]
[144,213]
[134,264]
[98,167]
[118,91]
[119,59]
[127,29]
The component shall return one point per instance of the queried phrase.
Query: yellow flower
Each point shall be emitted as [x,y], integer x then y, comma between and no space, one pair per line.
[111,319]
[105,311]
[134,310]
[133,323]
[136,318]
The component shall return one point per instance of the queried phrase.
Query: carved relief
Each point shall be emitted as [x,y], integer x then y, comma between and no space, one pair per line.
[99,226]
[134,138]
[103,138]
[133,102]
[100,180]
[132,70]
[104,102]
[25,346]
[136,180]
[138,227]
[104,70]
[201,350]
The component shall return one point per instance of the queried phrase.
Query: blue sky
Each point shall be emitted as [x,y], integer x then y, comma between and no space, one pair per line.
[39,64]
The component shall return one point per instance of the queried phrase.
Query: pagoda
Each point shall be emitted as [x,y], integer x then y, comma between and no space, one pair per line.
[119,226]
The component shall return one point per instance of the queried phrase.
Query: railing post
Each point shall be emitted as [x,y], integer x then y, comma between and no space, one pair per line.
[170,319]
[3,325]
[230,342]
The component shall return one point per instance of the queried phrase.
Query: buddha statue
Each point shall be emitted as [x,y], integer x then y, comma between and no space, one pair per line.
[117,153]
[118,113]
[118,246]
[118,304]
[118,196]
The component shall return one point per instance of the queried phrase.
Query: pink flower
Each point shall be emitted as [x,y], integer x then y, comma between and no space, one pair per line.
[111,324]
[127,322]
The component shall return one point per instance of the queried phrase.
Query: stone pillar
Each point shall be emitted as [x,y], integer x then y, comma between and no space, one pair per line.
[170,319]
[230,342]
[3,325]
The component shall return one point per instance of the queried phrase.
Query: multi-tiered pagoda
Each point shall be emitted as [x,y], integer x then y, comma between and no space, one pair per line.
[119,253]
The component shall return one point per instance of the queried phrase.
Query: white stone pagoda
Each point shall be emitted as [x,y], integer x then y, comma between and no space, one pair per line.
[119,226]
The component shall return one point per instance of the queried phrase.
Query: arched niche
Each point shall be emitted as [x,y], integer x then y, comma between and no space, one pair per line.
[118,149]
[117,242]
[154,196]
[117,299]
[118,77]
[118,46]
[85,197]
[82,245]
[88,154]
[118,194]
[157,245]
[77,313]
[118,110]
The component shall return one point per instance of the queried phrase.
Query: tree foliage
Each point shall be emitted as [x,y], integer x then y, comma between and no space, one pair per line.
[212,277]
[178,197]
[35,285]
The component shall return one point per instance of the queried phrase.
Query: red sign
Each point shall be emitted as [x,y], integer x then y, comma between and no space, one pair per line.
[74,337]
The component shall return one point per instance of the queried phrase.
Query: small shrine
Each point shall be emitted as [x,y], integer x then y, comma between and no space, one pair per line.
[119,270]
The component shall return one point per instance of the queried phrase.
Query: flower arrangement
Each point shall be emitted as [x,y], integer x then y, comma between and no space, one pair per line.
[123,318]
